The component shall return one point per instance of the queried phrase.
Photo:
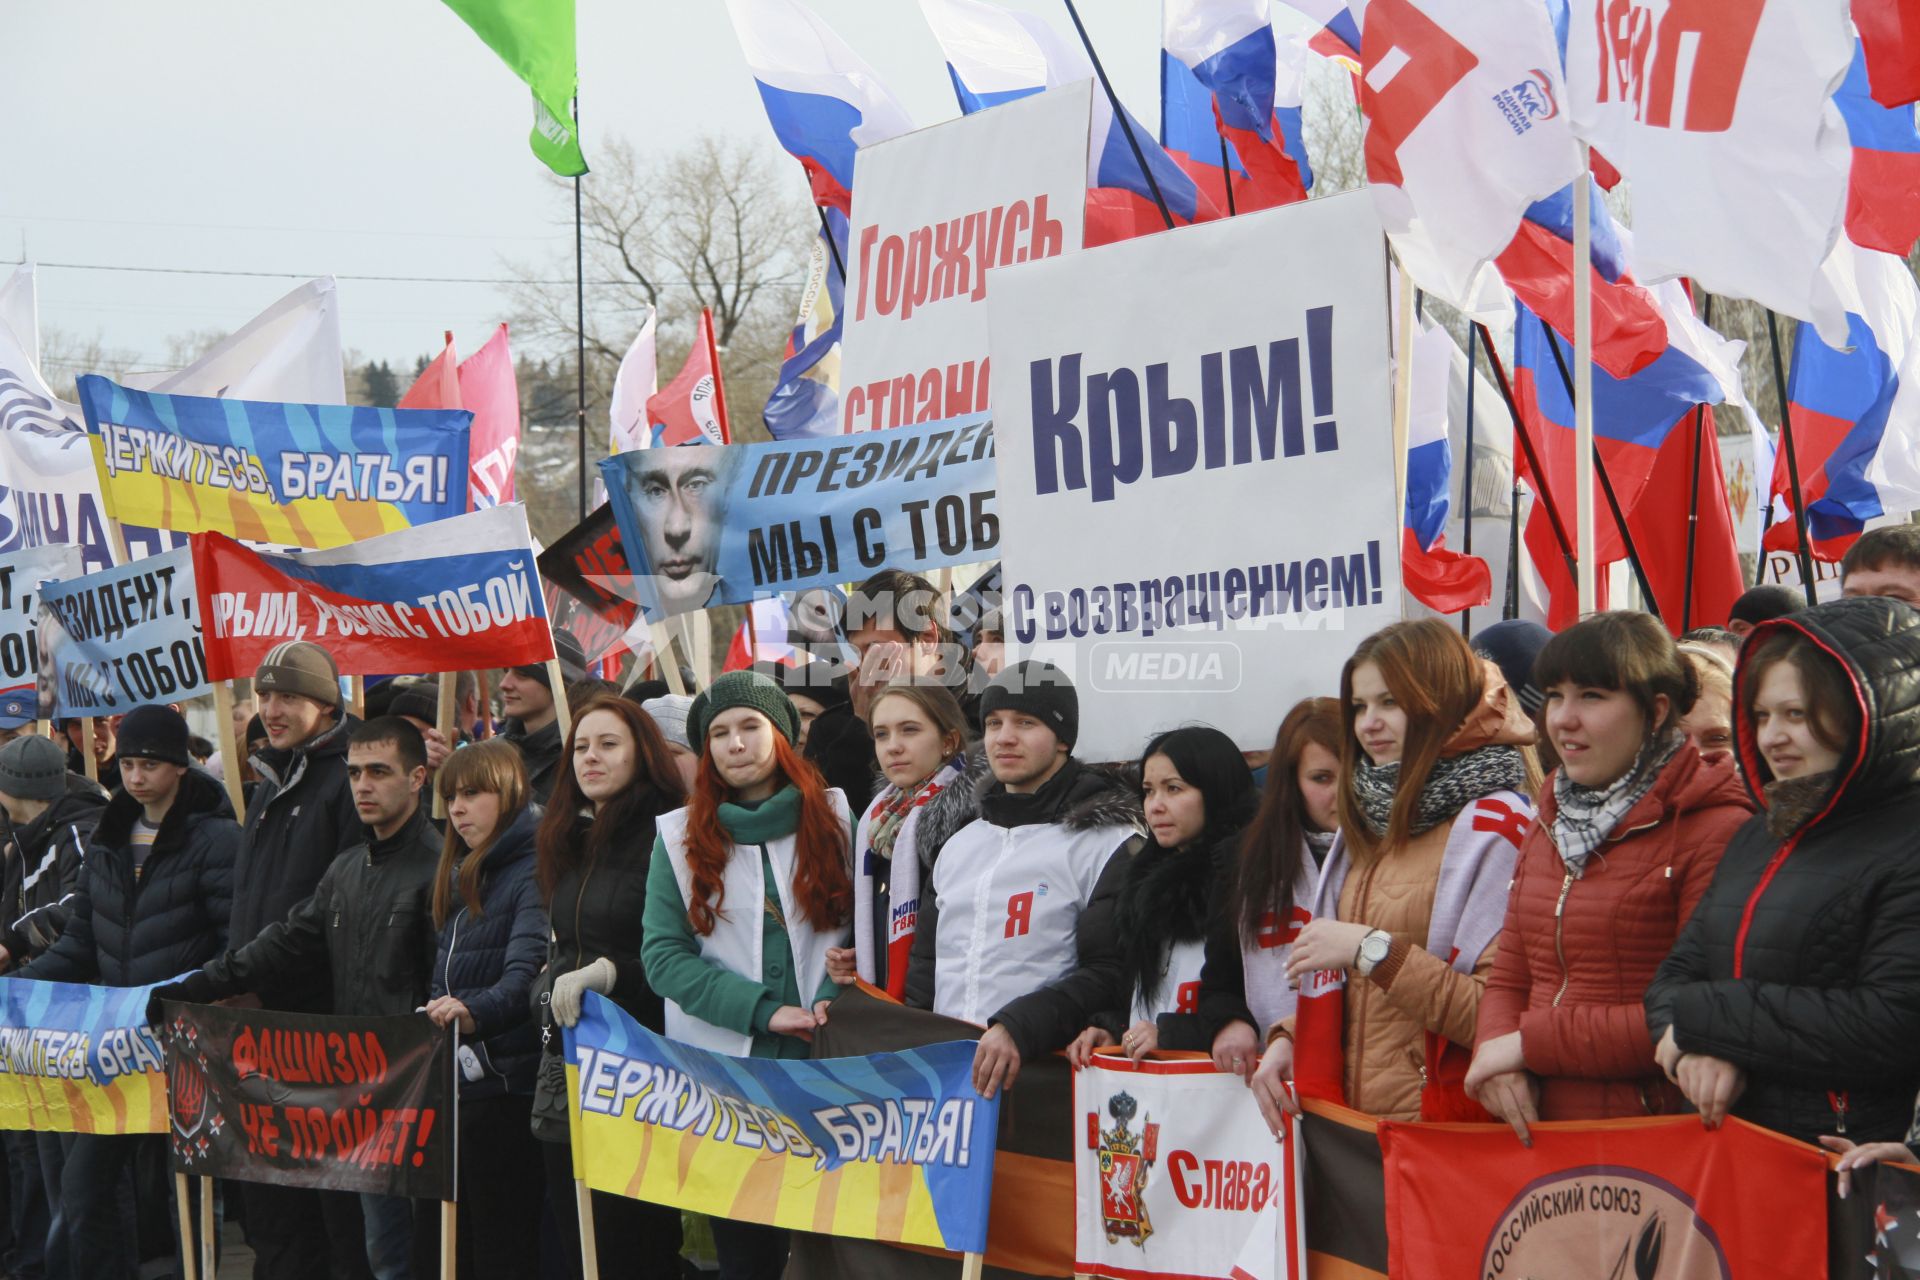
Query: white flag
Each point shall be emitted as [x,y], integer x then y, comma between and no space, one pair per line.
[1465,127]
[1721,117]
[636,383]
[291,352]
[19,312]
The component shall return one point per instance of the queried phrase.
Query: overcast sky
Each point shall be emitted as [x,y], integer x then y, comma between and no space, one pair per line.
[368,138]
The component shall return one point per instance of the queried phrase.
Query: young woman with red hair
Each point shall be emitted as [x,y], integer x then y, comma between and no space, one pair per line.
[750,884]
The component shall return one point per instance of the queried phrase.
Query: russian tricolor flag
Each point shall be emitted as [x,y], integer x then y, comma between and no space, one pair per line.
[1628,332]
[1854,411]
[995,56]
[823,100]
[1633,431]
[1443,580]
[1222,76]
[1883,188]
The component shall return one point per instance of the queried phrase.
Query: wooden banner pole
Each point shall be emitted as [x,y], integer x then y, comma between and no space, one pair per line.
[557,682]
[663,656]
[483,700]
[357,695]
[187,1255]
[230,747]
[87,762]
[209,1264]
[444,722]
[589,1245]
[448,1244]
[970,1266]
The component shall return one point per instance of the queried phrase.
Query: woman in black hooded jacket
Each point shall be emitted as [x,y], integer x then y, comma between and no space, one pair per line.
[1198,795]
[1792,996]
[595,846]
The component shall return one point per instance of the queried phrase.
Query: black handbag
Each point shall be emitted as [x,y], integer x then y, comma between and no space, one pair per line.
[551,1105]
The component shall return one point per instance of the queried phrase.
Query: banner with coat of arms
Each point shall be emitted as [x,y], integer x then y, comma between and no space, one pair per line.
[1176,1174]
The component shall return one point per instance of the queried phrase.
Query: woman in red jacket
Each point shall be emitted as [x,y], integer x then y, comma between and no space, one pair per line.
[1627,838]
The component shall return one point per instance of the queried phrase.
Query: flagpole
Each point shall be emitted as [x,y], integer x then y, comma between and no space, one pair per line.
[1510,607]
[1466,481]
[1693,493]
[580,321]
[1598,468]
[1120,115]
[1793,463]
[1226,175]
[826,229]
[1583,392]
[1543,493]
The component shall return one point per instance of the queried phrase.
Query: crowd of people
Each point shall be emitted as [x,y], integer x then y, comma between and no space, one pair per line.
[1525,878]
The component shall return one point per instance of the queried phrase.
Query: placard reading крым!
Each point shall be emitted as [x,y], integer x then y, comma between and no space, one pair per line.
[933,212]
[1197,480]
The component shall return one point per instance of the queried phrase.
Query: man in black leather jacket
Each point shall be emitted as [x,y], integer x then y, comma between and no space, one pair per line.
[370,921]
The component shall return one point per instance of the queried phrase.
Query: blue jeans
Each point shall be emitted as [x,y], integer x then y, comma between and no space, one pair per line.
[389,1222]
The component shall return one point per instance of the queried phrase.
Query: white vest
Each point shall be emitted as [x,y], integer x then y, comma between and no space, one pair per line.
[736,941]
[1010,900]
[1270,996]
[1179,989]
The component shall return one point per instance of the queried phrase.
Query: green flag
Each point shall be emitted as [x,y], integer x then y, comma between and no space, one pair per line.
[535,38]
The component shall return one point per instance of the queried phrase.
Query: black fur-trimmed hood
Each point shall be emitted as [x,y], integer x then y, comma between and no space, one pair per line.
[943,816]
[1080,797]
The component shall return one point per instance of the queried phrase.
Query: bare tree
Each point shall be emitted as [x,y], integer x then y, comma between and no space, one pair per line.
[65,355]
[719,224]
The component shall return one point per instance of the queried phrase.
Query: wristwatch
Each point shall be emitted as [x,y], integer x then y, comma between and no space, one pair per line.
[1372,950]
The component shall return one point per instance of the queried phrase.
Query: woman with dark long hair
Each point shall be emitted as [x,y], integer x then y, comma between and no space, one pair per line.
[1791,998]
[1244,990]
[1197,794]
[750,885]
[1627,840]
[1434,783]
[594,848]
[493,936]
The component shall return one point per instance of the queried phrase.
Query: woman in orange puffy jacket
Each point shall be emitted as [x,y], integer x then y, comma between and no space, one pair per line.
[1626,840]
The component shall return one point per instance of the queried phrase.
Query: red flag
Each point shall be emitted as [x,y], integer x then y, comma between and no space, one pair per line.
[1658,522]
[438,386]
[1663,1197]
[1890,34]
[488,387]
[1628,331]
[1444,581]
[692,409]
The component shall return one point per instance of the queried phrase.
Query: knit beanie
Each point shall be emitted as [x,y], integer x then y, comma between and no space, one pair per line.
[742,689]
[33,768]
[1514,646]
[302,667]
[155,733]
[669,712]
[573,661]
[1038,689]
[419,699]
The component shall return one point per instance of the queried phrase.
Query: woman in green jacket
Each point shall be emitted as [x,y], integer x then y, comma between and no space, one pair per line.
[750,884]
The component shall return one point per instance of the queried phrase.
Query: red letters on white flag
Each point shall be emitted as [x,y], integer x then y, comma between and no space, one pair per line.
[1719,113]
[1465,125]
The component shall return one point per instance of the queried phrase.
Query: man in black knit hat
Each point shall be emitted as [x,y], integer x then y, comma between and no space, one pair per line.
[527,696]
[152,902]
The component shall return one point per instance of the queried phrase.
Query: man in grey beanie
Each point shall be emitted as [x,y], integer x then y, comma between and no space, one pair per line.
[300,818]
[669,712]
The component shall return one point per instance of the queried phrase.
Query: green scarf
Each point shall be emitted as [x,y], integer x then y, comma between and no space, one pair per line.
[776,816]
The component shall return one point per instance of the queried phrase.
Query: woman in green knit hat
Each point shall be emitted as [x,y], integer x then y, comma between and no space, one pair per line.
[750,884]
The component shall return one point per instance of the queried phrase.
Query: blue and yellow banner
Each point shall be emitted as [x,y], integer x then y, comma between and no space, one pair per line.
[893,1146]
[292,475]
[79,1059]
